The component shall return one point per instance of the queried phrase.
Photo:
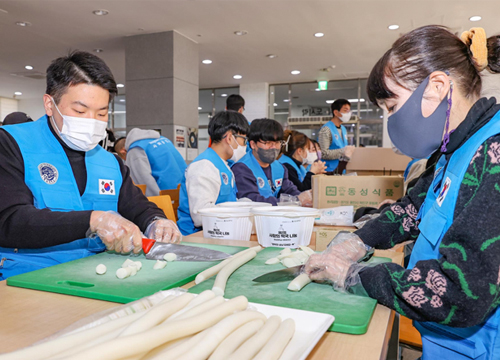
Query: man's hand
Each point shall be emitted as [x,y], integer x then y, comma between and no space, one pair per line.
[164,230]
[116,232]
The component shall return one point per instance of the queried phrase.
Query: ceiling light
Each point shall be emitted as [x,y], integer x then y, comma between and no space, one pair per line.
[475,18]
[28,67]
[275,104]
[240,32]
[23,23]
[100,12]
[271,56]
[295,72]
[330,101]
[286,100]
[98,50]
[122,100]
[317,89]
[18,93]
[199,107]
[237,77]
[120,85]
[223,95]
[356,100]
[207,61]
[393,27]
[318,35]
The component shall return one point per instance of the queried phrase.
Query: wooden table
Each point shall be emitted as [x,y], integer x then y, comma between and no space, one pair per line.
[28,316]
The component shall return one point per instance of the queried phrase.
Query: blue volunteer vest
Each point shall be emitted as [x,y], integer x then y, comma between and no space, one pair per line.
[277,173]
[338,142]
[167,164]
[301,171]
[49,176]
[227,191]
[436,214]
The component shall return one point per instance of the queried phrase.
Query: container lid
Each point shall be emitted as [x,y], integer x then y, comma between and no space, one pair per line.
[285,211]
[243,204]
[222,212]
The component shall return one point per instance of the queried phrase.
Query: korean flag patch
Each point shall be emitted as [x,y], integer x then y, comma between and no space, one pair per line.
[278,182]
[106,187]
[444,191]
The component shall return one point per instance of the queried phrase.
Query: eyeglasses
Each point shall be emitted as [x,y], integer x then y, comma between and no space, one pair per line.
[245,139]
[273,144]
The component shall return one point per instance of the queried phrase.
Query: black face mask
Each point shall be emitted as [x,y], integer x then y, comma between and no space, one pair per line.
[267,156]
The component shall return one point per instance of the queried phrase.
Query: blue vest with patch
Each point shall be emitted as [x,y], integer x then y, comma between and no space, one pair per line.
[436,216]
[338,142]
[301,171]
[167,164]
[227,191]
[277,173]
[49,176]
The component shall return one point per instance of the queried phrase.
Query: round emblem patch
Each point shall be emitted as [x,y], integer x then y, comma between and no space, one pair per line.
[225,178]
[48,173]
[261,182]
[336,137]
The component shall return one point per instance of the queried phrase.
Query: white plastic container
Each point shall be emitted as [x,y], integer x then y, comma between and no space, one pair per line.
[244,204]
[226,223]
[284,226]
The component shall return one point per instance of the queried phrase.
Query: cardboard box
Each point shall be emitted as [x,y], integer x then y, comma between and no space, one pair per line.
[356,191]
[325,235]
[377,159]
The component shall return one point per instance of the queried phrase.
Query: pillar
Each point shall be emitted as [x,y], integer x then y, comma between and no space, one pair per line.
[256,100]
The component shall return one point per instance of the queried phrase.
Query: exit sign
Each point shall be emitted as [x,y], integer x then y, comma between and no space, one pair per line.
[323,85]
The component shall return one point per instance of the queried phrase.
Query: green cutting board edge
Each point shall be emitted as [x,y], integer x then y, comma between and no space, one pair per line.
[79,278]
[352,313]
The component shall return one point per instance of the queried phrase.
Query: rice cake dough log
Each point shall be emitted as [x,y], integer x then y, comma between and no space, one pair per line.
[233,341]
[299,282]
[224,274]
[278,342]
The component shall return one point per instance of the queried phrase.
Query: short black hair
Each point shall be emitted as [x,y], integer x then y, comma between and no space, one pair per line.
[224,121]
[78,67]
[234,102]
[16,118]
[338,104]
[265,130]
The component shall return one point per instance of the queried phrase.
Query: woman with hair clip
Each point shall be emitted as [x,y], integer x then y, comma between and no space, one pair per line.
[297,154]
[430,84]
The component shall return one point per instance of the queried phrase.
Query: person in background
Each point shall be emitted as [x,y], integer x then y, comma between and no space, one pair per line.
[259,176]
[317,148]
[297,156]
[16,118]
[208,179]
[154,161]
[333,136]
[236,103]
[108,143]
[429,83]
[119,148]
[63,196]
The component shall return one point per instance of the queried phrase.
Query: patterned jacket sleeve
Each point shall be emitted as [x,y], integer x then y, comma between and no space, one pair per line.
[462,288]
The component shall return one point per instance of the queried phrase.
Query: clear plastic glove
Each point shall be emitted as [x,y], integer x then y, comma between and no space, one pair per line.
[348,245]
[116,232]
[318,167]
[349,151]
[386,201]
[288,200]
[163,230]
[306,199]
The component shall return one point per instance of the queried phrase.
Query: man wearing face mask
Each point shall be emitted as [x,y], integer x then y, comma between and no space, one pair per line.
[333,136]
[64,197]
[208,180]
[259,176]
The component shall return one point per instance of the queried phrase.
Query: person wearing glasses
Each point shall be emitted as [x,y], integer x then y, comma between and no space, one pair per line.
[208,180]
[259,176]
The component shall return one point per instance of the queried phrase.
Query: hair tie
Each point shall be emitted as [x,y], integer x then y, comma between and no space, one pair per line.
[475,39]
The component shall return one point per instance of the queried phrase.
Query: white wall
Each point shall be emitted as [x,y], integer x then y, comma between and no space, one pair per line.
[32,107]
[7,106]
[256,100]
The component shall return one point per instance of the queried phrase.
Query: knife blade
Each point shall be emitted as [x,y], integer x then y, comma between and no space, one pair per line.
[155,250]
[291,273]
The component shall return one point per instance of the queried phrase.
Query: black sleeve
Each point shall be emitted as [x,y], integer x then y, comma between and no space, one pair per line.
[294,178]
[21,224]
[247,185]
[132,204]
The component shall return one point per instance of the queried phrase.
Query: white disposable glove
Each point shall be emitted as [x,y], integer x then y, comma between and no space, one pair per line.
[163,230]
[349,151]
[305,198]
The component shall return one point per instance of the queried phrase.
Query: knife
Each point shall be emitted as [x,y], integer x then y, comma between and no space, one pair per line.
[155,250]
[291,273]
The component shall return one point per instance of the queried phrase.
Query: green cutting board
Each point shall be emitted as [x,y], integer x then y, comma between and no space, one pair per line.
[352,313]
[79,278]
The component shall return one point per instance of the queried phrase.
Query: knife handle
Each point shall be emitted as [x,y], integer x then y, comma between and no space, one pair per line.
[147,244]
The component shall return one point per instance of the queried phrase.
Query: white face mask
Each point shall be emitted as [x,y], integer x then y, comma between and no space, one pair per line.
[311,158]
[346,117]
[239,152]
[81,134]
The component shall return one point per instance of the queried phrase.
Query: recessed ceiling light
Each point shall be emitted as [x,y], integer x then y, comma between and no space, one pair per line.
[199,107]
[286,100]
[28,67]
[356,100]
[100,12]
[122,100]
[23,23]
[223,95]
[18,93]
[475,18]
[120,85]
[207,61]
[98,50]
[295,72]
[318,35]
[393,27]
[237,77]
[275,104]
[317,89]
[240,32]
[330,101]
[271,56]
